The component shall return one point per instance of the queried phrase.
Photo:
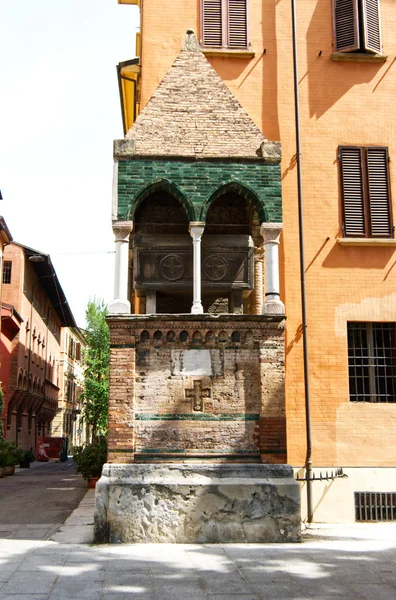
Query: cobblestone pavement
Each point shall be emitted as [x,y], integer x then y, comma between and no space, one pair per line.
[350,562]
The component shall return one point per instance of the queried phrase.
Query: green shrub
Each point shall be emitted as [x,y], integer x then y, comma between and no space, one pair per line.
[10,454]
[90,459]
[27,455]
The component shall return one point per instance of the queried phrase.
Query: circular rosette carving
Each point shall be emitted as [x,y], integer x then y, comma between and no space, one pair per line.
[215,267]
[171,267]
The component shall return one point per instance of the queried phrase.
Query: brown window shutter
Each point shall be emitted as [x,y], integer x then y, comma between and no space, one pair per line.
[346,25]
[378,192]
[352,191]
[237,24]
[372,28]
[212,23]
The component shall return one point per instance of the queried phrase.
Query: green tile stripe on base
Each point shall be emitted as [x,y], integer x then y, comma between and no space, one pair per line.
[122,346]
[121,450]
[195,452]
[270,346]
[200,457]
[196,417]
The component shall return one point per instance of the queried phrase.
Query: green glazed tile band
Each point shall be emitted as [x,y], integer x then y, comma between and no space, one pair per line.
[196,417]
[122,345]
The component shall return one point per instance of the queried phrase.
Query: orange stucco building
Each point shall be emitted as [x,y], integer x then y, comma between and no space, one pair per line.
[346,89]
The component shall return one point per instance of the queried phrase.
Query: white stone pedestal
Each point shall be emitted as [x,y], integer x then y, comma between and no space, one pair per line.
[217,503]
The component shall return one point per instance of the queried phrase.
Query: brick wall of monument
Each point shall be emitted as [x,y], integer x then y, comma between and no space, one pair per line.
[187,387]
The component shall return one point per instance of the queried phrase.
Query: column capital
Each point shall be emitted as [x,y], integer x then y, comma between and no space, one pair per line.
[196,228]
[259,253]
[271,232]
[122,230]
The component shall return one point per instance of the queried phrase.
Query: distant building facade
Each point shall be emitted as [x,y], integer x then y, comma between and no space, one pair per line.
[69,421]
[34,311]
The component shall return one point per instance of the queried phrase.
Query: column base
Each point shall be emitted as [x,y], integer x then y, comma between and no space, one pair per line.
[119,307]
[197,309]
[273,305]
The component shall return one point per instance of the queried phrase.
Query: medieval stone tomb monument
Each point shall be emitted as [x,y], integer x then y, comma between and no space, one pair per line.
[197,431]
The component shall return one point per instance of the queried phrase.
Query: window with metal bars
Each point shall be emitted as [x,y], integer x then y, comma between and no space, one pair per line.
[224,24]
[375,506]
[356,25]
[365,188]
[372,362]
[7,268]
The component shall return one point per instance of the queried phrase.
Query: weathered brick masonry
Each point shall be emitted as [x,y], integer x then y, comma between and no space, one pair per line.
[187,387]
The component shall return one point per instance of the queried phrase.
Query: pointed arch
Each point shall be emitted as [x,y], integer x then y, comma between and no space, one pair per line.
[242,190]
[166,186]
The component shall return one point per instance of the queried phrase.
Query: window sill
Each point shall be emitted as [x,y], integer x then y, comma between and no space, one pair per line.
[366,241]
[357,57]
[228,52]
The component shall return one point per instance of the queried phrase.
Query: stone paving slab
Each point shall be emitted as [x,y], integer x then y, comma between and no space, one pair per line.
[78,527]
[352,562]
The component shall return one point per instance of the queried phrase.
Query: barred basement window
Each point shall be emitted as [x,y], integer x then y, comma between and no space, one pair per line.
[356,26]
[365,191]
[7,267]
[375,506]
[224,24]
[372,362]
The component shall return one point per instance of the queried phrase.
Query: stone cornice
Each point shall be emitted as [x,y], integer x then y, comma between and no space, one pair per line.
[207,319]
[268,152]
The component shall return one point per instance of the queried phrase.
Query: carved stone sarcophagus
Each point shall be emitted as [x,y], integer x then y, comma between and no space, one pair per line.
[165,262]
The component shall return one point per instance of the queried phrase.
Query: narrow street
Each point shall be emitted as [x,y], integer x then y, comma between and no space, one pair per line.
[46,553]
[35,502]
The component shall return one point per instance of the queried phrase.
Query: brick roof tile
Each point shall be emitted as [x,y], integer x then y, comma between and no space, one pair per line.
[194,114]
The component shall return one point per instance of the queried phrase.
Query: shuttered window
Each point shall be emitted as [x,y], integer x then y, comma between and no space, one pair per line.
[357,26]
[224,24]
[365,191]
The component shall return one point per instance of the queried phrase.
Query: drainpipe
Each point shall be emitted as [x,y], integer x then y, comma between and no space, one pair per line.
[308,459]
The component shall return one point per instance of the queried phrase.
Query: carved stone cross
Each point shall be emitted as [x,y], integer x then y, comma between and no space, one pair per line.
[197,395]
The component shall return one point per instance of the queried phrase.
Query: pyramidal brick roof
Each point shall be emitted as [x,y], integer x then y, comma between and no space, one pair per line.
[193,113]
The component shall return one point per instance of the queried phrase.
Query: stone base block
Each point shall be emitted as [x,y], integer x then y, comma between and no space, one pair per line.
[224,503]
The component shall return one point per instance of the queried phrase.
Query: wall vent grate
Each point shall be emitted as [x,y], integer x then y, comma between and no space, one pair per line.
[375,506]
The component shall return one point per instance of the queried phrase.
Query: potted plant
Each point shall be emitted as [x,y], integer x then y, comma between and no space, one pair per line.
[3,456]
[13,457]
[10,455]
[90,460]
[26,458]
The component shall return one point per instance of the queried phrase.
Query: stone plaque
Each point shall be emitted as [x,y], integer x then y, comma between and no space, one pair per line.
[198,362]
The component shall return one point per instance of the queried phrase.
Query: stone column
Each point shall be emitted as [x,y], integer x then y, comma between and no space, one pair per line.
[196,231]
[121,304]
[151,302]
[256,303]
[114,208]
[272,304]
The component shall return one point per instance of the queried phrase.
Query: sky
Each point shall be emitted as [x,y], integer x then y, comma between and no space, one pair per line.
[59,114]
